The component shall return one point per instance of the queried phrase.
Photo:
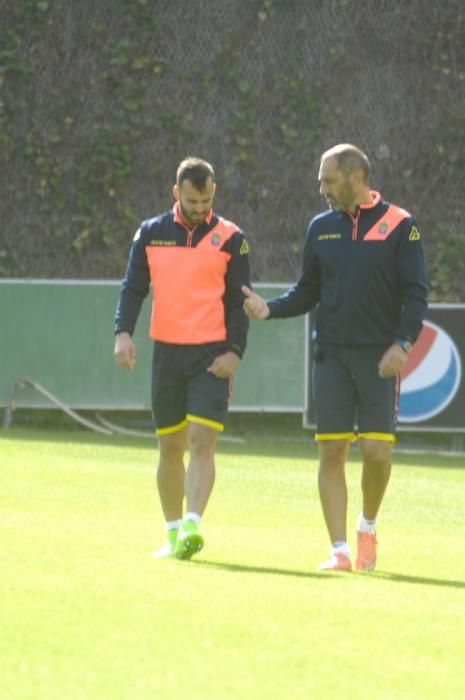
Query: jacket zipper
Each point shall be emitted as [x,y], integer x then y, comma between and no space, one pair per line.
[354,225]
[190,233]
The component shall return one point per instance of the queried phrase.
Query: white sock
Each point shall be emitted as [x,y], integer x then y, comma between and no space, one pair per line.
[341,548]
[193,516]
[172,524]
[365,525]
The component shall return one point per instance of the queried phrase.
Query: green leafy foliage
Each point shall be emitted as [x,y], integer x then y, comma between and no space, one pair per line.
[100,101]
[448,268]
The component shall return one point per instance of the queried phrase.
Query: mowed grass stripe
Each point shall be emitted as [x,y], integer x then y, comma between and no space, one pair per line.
[86,613]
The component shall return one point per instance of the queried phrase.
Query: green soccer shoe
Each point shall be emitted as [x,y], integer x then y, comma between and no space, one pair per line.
[189,541]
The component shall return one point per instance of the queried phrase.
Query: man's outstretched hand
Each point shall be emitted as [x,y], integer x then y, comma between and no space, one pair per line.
[254,305]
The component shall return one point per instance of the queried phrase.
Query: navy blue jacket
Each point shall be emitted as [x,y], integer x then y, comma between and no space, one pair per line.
[365,273]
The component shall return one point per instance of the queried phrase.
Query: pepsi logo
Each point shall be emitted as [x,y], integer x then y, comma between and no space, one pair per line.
[431,377]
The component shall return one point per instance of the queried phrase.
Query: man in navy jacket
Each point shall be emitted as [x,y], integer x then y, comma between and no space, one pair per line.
[364,271]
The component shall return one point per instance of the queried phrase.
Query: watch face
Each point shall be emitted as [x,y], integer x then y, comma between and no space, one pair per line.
[406,345]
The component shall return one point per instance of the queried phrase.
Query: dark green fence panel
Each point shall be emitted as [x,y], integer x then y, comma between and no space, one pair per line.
[60,335]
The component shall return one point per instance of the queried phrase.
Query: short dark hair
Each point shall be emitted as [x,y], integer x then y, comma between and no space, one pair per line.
[196,170]
[349,158]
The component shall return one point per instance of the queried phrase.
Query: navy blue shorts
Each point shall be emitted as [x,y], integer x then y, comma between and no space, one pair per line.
[183,390]
[351,399]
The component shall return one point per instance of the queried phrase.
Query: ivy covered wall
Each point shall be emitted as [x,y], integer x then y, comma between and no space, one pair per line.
[99,101]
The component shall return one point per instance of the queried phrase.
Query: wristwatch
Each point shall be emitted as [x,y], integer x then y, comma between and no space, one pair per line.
[406,345]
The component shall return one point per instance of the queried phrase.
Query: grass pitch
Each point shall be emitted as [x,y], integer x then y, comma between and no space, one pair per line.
[86,614]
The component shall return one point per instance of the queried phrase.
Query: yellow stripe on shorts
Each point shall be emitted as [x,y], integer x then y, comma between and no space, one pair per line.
[320,437]
[172,428]
[206,421]
[387,437]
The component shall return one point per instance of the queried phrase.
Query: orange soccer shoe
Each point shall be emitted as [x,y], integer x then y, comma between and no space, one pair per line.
[366,551]
[337,562]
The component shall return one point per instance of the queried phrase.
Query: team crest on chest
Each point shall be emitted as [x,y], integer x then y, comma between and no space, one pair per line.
[215,240]
[383,228]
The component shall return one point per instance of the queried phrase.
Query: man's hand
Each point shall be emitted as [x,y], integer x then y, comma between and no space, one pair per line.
[125,351]
[392,362]
[254,305]
[224,366]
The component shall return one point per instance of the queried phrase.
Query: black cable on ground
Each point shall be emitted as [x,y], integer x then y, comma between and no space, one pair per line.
[23,382]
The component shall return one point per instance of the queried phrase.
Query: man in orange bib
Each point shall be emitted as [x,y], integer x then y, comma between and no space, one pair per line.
[196,263]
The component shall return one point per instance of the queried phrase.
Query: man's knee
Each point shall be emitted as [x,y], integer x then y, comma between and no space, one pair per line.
[202,439]
[377,452]
[333,453]
[173,445]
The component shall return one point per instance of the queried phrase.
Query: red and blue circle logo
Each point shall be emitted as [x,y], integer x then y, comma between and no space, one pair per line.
[431,377]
